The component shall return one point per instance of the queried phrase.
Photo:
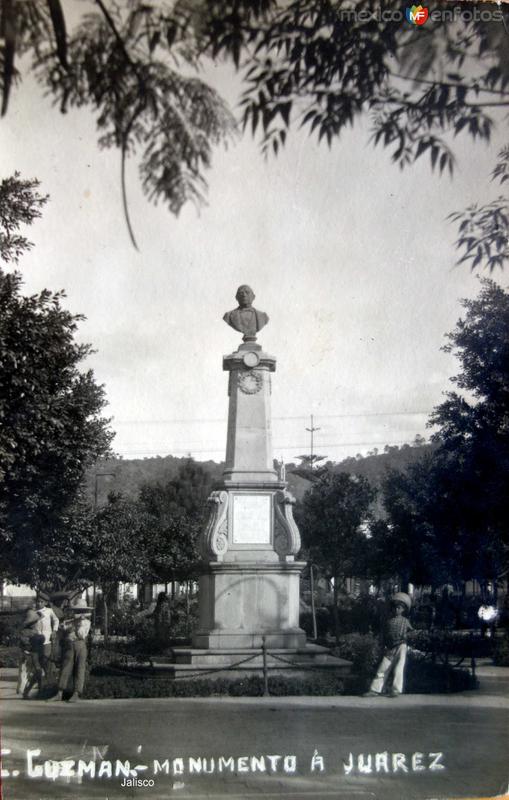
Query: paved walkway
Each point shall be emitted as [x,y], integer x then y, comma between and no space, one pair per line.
[416,747]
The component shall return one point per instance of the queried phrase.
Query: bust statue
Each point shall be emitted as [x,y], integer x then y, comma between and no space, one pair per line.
[245,318]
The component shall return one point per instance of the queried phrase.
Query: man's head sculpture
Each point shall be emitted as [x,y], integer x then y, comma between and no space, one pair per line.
[246,319]
[244,296]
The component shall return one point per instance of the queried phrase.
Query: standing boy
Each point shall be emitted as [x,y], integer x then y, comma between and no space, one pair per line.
[47,628]
[74,659]
[31,670]
[394,649]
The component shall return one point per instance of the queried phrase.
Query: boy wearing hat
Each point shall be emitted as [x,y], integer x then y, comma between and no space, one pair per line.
[31,670]
[395,634]
[74,661]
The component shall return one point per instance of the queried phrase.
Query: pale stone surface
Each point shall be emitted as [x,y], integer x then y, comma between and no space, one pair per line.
[251,518]
[244,601]
[249,438]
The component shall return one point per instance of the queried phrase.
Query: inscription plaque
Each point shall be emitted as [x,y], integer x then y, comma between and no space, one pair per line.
[251,518]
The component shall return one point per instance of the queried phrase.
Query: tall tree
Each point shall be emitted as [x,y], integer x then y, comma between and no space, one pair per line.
[58,559]
[177,511]
[407,545]
[331,519]
[447,513]
[20,204]
[117,550]
[474,427]
[51,428]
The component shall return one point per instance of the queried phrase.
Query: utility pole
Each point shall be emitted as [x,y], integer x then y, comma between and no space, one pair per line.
[311,430]
[309,460]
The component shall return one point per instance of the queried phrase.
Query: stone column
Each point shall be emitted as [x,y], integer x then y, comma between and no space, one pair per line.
[249,439]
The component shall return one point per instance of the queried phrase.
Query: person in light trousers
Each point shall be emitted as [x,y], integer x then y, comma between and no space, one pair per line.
[74,660]
[392,664]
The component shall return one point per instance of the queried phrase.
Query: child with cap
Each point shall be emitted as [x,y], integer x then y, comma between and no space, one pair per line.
[395,649]
[30,670]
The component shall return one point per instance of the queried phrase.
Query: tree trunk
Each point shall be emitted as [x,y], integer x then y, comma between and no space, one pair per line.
[188,609]
[105,619]
[335,609]
[313,608]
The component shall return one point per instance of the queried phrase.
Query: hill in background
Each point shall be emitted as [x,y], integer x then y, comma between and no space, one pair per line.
[128,476]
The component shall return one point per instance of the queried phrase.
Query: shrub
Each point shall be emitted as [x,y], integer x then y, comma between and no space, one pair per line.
[363,650]
[424,677]
[501,654]
[355,615]
[110,683]
[306,623]
[359,614]
[9,656]
[455,643]
[10,626]
[147,639]
[122,617]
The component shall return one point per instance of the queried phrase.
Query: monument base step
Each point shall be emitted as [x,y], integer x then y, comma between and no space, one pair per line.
[242,662]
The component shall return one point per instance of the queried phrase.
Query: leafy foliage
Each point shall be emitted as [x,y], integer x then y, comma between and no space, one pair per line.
[484,230]
[20,204]
[317,64]
[481,343]
[111,63]
[177,516]
[446,513]
[51,426]
[114,683]
[323,65]
[116,550]
[330,519]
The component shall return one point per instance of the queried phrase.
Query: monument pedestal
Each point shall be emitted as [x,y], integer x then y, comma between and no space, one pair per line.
[242,602]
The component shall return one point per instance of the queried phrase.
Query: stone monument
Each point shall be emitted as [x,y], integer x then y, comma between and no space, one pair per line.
[250,584]
[250,578]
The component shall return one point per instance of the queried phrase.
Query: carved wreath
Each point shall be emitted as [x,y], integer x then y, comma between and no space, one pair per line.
[250,382]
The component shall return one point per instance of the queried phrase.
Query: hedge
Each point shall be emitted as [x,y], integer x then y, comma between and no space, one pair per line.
[117,686]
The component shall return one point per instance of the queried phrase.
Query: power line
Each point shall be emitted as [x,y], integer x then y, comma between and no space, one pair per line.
[276,447]
[196,420]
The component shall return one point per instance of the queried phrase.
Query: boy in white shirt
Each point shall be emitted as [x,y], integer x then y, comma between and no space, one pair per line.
[47,628]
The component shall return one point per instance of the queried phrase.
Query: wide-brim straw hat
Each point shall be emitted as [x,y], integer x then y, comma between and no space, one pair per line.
[81,609]
[403,598]
[30,618]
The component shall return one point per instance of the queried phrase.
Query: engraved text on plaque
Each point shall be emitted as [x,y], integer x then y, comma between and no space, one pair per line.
[251,518]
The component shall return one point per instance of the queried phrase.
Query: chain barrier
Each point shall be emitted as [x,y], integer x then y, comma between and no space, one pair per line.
[439,650]
[154,671]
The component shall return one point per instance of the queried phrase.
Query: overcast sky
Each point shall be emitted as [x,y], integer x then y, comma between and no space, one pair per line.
[353,261]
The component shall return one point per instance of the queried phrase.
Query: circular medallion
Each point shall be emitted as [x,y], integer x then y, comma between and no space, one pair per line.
[251,359]
[250,382]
